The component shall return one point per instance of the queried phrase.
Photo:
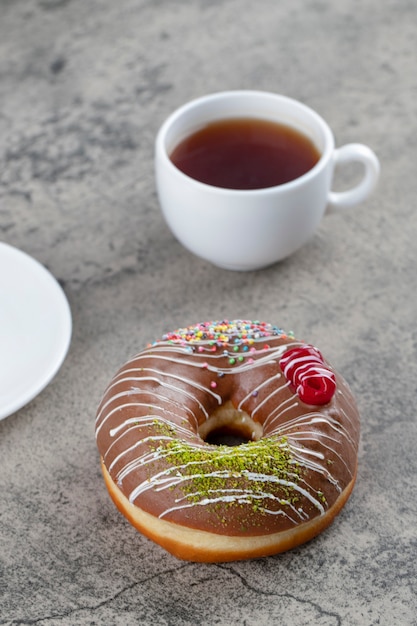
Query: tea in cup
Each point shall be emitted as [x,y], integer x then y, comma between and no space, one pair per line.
[244,177]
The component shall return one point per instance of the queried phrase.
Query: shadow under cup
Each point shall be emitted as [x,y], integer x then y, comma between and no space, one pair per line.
[243,229]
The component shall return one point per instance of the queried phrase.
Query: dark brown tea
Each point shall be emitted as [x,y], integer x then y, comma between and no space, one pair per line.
[245,153]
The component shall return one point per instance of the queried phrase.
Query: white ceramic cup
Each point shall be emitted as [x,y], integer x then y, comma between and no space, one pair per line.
[250,229]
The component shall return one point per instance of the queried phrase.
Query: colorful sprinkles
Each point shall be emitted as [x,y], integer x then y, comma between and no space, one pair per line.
[314,383]
[225,332]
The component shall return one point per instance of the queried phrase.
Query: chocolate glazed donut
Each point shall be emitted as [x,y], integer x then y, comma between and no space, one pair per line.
[160,429]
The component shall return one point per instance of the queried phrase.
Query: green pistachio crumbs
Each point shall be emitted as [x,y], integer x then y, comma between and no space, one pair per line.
[242,471]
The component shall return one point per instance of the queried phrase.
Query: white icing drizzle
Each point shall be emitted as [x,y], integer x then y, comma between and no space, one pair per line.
[245,497]
[164,480]
[276,391]
[134,390]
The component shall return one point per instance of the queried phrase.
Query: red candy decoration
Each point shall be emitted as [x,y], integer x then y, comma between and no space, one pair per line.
[304,368]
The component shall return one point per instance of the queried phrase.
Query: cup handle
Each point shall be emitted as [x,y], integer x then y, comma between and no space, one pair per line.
[355,152]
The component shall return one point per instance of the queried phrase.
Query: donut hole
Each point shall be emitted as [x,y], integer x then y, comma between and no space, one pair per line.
[229,426]
[226,436]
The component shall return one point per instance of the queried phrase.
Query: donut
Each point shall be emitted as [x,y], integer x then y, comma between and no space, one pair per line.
[228,440]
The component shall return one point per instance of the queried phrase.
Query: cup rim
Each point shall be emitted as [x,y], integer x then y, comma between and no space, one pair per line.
[161,151]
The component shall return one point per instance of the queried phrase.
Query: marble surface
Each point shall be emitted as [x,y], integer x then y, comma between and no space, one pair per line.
[84,87]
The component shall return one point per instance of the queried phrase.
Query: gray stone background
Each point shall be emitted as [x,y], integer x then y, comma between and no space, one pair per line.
[84,87]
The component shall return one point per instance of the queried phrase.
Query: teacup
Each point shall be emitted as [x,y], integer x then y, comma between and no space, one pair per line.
[247,229]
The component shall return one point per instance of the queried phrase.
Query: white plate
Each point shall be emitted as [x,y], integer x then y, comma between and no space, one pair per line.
[35,328]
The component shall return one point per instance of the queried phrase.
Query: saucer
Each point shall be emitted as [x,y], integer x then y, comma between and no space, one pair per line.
[35,328]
